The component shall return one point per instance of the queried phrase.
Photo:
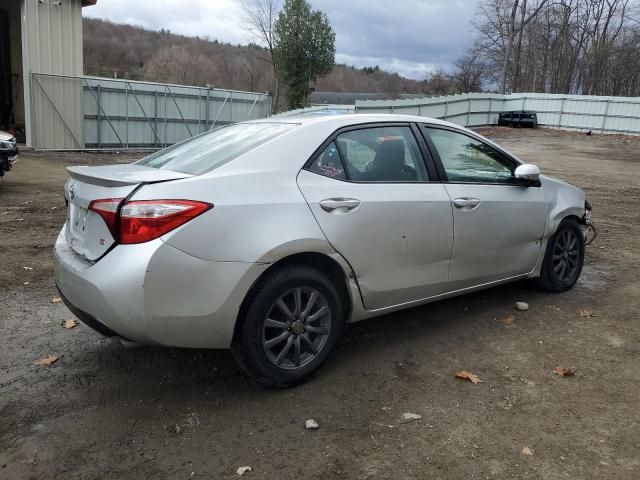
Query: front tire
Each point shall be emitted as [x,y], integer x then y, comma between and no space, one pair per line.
[563,258]
[289,326]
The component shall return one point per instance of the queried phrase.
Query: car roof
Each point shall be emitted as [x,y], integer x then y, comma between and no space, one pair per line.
[341,120]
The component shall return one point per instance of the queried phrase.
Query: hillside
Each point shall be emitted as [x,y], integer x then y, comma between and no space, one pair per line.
[135,53]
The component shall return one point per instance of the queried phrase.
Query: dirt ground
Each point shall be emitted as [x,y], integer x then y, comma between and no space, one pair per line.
[103,411]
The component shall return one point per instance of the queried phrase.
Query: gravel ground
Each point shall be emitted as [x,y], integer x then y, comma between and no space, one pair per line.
[102,411]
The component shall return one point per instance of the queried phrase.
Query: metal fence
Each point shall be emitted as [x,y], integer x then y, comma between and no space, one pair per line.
[55,112]
[91,112]
[573,112]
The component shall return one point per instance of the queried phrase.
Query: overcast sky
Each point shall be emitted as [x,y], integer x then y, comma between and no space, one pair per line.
[410,37]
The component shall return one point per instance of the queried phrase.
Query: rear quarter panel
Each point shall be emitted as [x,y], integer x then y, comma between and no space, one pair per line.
[259,213]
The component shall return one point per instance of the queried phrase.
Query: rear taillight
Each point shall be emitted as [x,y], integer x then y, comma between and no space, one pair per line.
[144,220]
[107,208]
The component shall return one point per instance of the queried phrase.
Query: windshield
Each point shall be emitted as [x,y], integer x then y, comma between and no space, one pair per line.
[205,152]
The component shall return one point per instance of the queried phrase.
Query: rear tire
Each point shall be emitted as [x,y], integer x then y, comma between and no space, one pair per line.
[289,325]
[563,258]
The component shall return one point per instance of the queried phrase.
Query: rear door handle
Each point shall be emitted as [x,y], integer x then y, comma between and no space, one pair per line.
[339,205]
[466,203]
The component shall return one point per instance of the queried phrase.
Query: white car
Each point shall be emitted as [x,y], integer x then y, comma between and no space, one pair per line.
[269,236]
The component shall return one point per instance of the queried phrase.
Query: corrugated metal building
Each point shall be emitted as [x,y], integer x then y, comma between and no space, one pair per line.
[41,36]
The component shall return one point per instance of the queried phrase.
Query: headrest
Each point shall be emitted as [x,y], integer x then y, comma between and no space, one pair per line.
[391,152]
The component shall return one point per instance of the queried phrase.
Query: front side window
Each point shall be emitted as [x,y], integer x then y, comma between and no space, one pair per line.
[381,154]
[205,152]
[466,159]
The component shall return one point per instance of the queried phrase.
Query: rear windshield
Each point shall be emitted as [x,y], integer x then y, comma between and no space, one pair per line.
[205,152]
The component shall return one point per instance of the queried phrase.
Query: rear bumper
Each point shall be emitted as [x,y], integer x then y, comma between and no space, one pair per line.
[89,320]
[156,294]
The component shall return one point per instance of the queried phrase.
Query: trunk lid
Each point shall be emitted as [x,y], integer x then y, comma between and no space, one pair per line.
[86,232]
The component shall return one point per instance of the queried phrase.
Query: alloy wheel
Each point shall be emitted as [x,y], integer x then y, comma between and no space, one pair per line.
[296,328]
[566,255]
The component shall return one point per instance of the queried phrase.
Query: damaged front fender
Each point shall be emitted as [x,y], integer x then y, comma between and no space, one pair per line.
[563,200]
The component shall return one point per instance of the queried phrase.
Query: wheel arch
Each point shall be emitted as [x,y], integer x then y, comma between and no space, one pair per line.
[543,278]
[552,229]
[338,273]
[561,220]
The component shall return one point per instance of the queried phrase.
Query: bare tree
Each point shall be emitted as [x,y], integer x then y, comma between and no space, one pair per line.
[440,83]
[469,73]
[609,18]
[178,65]
[515,27]
[260,20]
[560,46]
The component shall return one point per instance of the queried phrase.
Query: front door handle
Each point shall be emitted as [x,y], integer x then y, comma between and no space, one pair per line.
[466,203]
[339,205]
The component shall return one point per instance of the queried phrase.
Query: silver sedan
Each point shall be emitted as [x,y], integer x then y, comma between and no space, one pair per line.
[267,237]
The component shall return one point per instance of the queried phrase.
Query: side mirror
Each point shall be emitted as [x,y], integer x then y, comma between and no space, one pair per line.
[528,174]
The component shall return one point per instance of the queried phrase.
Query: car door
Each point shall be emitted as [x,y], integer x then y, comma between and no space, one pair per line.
[498,221]
[371,193]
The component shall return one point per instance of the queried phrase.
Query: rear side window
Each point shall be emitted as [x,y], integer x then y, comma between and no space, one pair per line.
[381,154]
[205,152]
[329,163]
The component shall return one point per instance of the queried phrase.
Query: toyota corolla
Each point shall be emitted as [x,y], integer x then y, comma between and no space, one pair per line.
[267,237]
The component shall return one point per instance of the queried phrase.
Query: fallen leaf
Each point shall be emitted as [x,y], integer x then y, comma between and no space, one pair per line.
[26,283]
[177,429]
[27,268]
[56,300]
[584,313]
[48,360]
[242,470]
[69,324]
[464,375]
[508,319]
[565,372]
[527,451]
